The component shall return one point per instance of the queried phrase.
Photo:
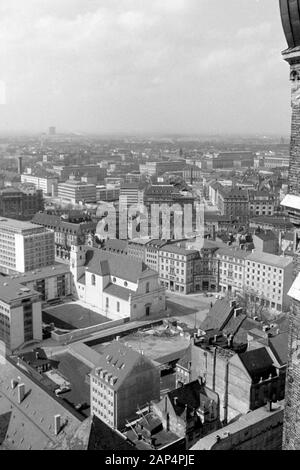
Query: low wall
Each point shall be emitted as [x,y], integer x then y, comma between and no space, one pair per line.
[84,332]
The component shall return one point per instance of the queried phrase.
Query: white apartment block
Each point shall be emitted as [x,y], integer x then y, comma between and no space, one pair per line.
[20,314]
[52,282]
[176,268]
[24,246]
[231,270]
[271,277]
[47,185]
[114,285]
[76,192]
[265,277]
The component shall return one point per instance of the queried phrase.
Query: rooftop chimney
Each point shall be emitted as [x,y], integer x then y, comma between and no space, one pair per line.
[13,383]
[57,424]
[21,392]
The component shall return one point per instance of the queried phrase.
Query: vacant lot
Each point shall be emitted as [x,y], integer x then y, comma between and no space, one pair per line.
[72,317]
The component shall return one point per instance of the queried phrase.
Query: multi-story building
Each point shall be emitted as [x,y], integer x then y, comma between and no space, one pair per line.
[206,272]
[123,381]
[269,277]
[244,381]
[53,282]
[177,267]
[116,285]
[233,202]
[266,242]
[24,246]
[77,192]
[107,194]
[159,168]
[79,171]
[67,232]
[231,270]
[190,412]
[47,184]
[291,25]
[20,314]
[132,194]
[228,160]
[261,203]
[20,204]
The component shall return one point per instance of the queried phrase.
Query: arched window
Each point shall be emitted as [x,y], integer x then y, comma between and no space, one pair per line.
[147,288]
[93,280]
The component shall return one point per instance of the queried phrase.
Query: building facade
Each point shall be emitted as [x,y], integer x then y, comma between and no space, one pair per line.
[115,285]
[77,192]
[123,381]
[24,246]
[47,184]
[20,204]
[20,314]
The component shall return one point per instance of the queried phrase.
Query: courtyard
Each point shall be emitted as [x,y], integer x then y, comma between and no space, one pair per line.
[72,316]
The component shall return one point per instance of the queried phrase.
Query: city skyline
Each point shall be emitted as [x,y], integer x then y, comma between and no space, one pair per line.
[135,67]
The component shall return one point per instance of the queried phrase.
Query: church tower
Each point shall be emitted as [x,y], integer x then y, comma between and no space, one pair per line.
[290,15]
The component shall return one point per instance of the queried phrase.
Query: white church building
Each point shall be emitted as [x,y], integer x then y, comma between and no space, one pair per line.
[115,285]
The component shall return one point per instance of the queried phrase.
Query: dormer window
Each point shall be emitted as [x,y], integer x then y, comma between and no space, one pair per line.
[125,283]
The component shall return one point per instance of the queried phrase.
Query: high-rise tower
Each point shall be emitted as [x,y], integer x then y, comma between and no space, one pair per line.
[290,15]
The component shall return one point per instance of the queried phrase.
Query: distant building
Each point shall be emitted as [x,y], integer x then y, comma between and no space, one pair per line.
[24,246]
[77,192]
[52,130]
[261,203]
[123,381]
[233,202]
[47,184]
[20,204]
[20,314]
[67,232]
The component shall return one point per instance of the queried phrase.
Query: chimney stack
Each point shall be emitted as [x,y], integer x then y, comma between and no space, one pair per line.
[57,424]
[13,383]
[21,393]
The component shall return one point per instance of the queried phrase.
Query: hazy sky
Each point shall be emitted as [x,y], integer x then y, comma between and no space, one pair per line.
[184,66]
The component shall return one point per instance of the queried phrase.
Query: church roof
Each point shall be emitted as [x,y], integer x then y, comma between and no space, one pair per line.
[290,17]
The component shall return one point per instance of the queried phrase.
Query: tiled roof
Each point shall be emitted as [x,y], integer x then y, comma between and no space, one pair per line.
[105,263]
[218,315]
[190,397]
[279,347]
[118,361]
[233,253]
[31,423]
[269,259]
[258,363]
[118,291]
[103,437]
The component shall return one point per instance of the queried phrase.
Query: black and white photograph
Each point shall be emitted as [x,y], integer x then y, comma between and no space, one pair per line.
[149,228]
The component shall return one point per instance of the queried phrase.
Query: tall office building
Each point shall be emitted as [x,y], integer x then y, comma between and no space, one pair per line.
[24,246]
[290,15]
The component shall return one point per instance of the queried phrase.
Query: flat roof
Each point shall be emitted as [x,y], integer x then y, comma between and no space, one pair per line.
[19,225]
[42,273]
[11,290]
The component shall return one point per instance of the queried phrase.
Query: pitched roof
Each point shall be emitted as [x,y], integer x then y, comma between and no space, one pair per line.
[117,362]
[105,263]
[118,291]
[269,259]
[103,437]
[258,363]
[218,315]
[279,347]
[190,397]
